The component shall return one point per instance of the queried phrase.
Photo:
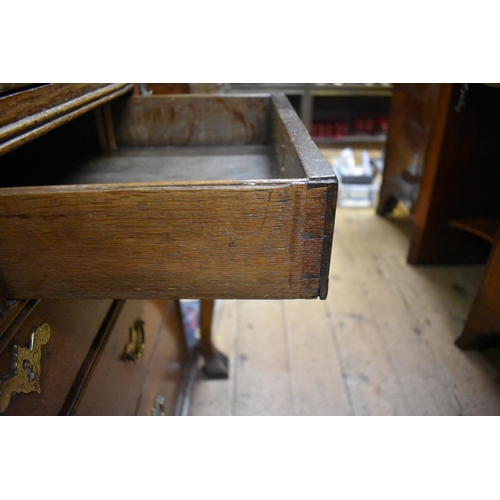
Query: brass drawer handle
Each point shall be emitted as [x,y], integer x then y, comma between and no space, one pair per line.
[134,349]
[26,367]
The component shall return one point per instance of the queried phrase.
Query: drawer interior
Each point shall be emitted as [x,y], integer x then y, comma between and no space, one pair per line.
[158,139]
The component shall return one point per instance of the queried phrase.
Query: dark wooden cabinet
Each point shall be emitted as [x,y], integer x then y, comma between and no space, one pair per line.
[443,162]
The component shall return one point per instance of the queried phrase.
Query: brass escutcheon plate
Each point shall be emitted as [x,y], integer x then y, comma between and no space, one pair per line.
[135,348]
[26,367]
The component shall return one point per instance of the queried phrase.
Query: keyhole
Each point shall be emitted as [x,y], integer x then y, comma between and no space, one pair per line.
[29,371]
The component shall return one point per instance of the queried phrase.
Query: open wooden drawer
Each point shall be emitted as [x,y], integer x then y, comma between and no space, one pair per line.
[184,196]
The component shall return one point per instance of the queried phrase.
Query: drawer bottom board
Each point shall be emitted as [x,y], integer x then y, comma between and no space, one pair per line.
[153,164]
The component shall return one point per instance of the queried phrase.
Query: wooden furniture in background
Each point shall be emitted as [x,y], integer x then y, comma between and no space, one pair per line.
[443,161]
[413,110]
[483,321]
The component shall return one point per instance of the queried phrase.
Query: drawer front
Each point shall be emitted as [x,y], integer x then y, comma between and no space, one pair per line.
[116,384]
[246,242]
[73,326]
[167,366]
[130,223]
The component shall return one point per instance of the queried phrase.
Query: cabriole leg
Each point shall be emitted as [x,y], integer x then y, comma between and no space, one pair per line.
[216,363]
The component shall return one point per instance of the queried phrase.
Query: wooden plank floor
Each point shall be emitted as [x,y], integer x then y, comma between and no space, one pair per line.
[381,344]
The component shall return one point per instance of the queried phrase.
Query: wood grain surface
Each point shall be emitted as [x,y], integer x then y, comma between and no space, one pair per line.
[298,153]
[289,130]
[213,241]
[191,120]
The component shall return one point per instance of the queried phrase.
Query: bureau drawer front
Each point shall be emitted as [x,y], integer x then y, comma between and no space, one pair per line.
[116,384]
[167,365]
[232,242]
[73,327]
[267,235]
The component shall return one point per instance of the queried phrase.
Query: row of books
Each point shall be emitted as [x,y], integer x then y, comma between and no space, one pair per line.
[342,128]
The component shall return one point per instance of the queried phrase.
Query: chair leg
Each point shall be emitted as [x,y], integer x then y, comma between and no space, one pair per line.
[481,328]
[483,322]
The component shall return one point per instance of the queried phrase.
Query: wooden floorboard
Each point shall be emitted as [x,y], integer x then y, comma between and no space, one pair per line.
[439,298]
[381,344]
[262,365]
[315,365]
[424,382]
[370,377]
